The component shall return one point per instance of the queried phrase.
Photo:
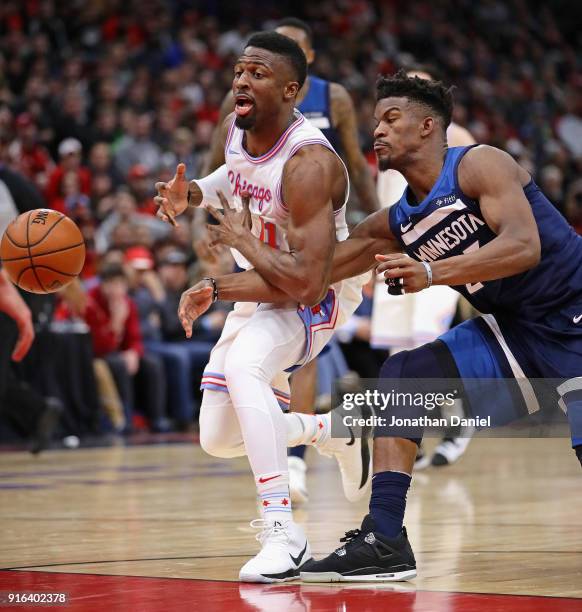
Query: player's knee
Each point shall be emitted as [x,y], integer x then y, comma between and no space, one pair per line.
[239,366]
[218,441]
[421,362]
[394,365]
[212,443]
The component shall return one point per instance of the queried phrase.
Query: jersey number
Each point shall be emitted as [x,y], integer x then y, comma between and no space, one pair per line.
[268,233]
[473,287]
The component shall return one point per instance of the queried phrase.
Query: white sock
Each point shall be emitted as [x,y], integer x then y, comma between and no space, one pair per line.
[273,491]
[307,428]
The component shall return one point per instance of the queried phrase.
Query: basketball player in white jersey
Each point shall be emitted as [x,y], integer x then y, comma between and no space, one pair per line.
[329,107]
[289,187]
[408,321]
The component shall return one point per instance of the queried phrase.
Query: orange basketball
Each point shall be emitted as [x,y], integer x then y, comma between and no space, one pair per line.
[42,251]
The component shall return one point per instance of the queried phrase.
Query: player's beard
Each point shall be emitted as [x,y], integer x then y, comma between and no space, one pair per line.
[384,163]
[246,123]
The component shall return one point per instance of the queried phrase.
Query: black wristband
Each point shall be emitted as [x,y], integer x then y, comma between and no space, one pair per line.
[394,286]
[214,288]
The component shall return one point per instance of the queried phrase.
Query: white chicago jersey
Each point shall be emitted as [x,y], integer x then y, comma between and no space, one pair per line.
[262,177]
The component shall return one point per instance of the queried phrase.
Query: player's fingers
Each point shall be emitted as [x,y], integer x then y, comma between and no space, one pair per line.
[160,201]
[396,273]
[186,323]
[246,200]
[181,172]
[388,256]
[165,211]
[215,213]
[25,340]
[160,186]
[225,203]
[386,266]
[214,236]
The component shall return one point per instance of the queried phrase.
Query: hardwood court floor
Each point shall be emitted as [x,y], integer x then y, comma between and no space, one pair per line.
[506,519]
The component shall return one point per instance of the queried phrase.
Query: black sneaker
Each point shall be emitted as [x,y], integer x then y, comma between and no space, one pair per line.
[366,556]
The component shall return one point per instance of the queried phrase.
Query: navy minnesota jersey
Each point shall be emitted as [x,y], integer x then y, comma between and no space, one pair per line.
[316,106]
[448,223]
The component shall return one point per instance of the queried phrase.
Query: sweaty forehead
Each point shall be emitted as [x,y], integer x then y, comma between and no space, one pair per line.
[260,56]
[392,102]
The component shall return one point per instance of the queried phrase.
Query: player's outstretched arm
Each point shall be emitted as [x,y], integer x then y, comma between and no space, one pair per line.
[494,178]
[175,196]
[304,271]
[344,118]
[352,257]
[15,307]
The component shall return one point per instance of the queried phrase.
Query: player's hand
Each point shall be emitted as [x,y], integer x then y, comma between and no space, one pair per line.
[25,335]
[15,307]
[404,272]
[193,304]
[172,197]
[233,227]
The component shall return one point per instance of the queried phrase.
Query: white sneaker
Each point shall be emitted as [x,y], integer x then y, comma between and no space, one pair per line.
[449,451]
[297,480]
[354,459]
[422,460]
[284,550]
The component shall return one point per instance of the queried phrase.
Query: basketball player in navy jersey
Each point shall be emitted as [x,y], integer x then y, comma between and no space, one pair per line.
[473,219]
[329,107]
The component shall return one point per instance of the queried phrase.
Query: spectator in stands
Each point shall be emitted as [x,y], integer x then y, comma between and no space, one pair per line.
[137,146]
[101,162]
[27,155]
[125,212]
[182,148]
[70,152]
[149,295]
[140,182]
[113,319]
[173,273]
[569,126]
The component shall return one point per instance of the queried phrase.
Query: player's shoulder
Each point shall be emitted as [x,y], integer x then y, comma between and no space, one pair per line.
[484,157]
[483,166]
[312,153]
[228,120]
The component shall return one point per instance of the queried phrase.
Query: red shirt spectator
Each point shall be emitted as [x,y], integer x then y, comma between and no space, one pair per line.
[100,319]
[110,314]
[28,156]
[70,154]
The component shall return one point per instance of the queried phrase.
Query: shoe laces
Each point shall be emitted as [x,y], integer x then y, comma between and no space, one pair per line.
[272,532]
[350,537]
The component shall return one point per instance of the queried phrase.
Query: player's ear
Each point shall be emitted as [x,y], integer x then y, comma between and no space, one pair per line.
[291,90]
[427,127]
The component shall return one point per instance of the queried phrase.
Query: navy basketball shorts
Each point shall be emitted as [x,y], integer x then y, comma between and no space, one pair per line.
[524,354]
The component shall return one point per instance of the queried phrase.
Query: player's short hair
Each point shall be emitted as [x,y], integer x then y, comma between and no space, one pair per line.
[432,70]
[294,22]
[284,46]
[433,94]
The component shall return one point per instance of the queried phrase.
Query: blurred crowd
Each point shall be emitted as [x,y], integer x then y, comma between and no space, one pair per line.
[98,100]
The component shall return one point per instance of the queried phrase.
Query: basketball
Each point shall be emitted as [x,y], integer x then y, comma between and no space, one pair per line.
[42,251]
